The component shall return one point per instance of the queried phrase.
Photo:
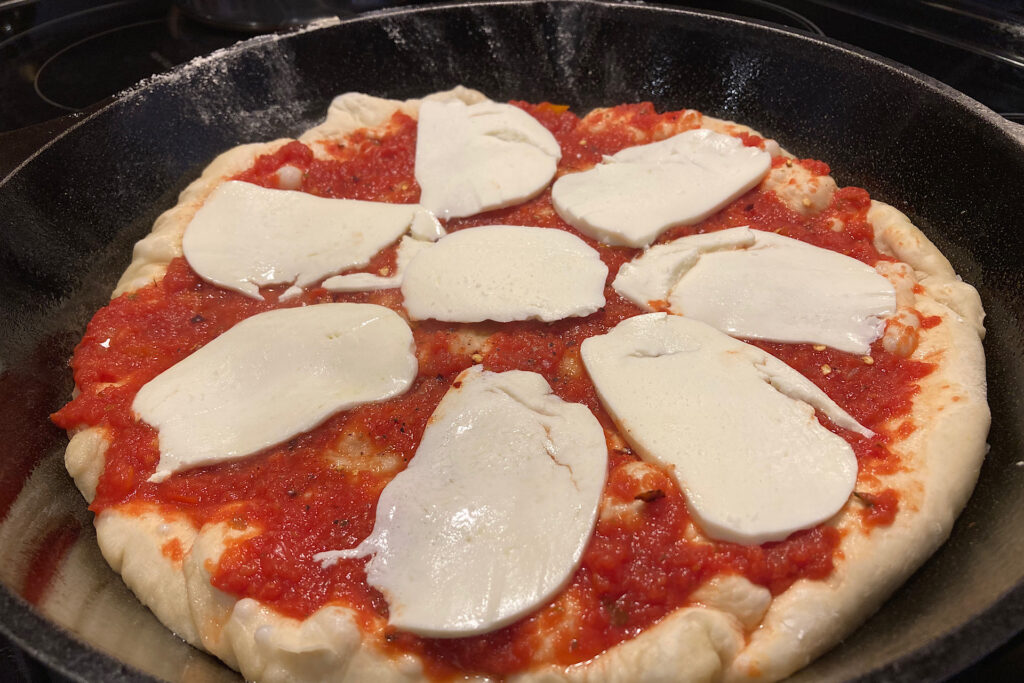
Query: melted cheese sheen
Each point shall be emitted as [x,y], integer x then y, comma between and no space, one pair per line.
[246,236]
[640,192]
[505,273]
[759,285]
[478,157]
[735,426]
[491,517]
[273,376]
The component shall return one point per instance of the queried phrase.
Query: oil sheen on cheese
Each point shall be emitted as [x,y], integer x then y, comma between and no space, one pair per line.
[638,193]
[735,426]
[491,517]
[759,285]
[274,376]
[478,157]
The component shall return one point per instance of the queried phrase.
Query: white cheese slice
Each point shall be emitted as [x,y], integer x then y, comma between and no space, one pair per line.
[246,236]
[759,285]
[652,275]
[491,517]
[638,193]
[365,282]
[735,426]
[478,157]
[505,273]
[273,376]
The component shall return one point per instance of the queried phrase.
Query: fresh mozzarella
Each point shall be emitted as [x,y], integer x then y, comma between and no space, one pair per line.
[505,273]
[273,376]
[759,285]
[289,177]
[246,236]
[638,193]
[490,519]
[735,426]
[652,275]
[478,157]
[364,282]
[425,225]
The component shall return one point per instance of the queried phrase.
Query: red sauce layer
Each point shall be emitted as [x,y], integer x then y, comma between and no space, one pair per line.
[314,493]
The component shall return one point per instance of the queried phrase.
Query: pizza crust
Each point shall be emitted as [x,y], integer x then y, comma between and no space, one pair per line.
[155,251]
[85,457]
[691,645]
[734,631]
[210,607]
[736,596]
[131,541]
[326,646]
[896,236]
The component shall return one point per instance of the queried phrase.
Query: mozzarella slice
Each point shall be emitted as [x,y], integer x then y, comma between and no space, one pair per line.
[638,193]
[273,376]
[652,275]
[505,273]
[491,517]
[759,285]
[246,236]
[364,282]
[478,157]
[735,426]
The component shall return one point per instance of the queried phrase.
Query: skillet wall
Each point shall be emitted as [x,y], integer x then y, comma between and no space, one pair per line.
[69,217]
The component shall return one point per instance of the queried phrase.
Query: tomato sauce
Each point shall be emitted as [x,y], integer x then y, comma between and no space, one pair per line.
[319,490]
[879,508]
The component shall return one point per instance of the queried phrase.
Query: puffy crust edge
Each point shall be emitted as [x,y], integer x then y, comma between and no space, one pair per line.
[896,236]
[696,643]
[84,459]
[690,645]
[156,250]
[132,541]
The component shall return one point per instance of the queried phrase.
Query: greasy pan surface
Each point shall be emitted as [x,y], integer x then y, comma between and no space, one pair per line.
[68,218]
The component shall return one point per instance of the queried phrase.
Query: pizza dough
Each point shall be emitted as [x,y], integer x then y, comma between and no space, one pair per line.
[733,629]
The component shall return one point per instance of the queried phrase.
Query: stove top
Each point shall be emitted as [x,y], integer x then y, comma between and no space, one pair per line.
[56,63]
[60,59]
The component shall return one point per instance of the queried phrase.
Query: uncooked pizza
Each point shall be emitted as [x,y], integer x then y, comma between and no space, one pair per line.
[457,389]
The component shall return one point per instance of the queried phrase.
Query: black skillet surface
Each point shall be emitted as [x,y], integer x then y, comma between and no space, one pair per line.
[70,214]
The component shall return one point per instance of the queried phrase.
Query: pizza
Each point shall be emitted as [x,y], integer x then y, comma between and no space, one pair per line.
[450,388]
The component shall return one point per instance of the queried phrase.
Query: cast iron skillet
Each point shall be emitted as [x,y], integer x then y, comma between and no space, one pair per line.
[70,214]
